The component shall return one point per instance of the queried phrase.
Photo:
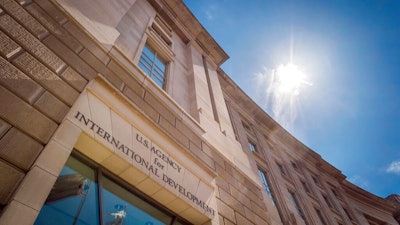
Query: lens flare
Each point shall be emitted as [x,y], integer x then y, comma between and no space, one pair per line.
[290,79]
[280,90]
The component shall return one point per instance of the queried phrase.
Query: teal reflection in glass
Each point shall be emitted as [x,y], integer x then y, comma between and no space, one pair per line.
[73,199]
[122,207]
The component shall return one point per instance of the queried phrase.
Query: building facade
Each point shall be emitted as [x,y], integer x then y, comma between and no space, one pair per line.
[117,112]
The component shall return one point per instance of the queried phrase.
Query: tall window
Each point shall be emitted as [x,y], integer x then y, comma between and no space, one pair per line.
[296,204]
[153,65]
[335,192]
[295,165]
[268,191]
[348,214]
[266,185]
[327,201]
[321,218]
[305,186]
[316,181]
[82,195]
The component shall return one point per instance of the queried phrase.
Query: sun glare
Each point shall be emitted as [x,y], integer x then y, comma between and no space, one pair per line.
[290,78]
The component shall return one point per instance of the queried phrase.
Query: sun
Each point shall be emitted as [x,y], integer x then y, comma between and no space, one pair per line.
[290,79]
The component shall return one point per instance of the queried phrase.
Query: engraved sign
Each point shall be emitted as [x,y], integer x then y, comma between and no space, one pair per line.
[148,157]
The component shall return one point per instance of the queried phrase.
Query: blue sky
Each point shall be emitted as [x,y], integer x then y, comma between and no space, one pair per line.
[349,109]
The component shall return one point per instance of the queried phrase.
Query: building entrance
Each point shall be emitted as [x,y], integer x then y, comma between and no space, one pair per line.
[88,195]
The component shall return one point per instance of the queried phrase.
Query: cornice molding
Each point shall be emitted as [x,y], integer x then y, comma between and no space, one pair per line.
[176,12]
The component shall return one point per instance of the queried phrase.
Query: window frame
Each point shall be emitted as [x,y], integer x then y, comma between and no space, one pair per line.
[152,62]
[320,215]
[267,186]
[155,38]
[296,204]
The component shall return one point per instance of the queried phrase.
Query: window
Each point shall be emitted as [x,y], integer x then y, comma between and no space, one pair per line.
[327,201]
[253,147]
[335,192]
[321,218]
[316,181]
[153,65]
[83,195]
[246,126]
[281,169]
[163,31]
[348,214]
[296,204]
[268,191]
[305,186]
[266,185]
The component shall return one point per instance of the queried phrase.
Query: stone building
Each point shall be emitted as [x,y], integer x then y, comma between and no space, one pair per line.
[117,112]
[395,198]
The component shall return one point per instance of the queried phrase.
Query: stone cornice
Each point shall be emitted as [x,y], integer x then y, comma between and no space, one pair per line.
[177,13]
[366,197]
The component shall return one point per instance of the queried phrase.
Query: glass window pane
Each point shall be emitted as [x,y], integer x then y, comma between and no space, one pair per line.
[160,64]
[73,199]
[159,71]
[149,52]
[122,207]
[266,185]
[158,82]
[158,76]
[145,64]
[147,58]
[253,147]
[145,67]
[152,65]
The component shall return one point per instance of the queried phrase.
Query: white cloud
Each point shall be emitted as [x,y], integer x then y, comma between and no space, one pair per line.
[211,11]
[209,15]
[359,181]
[394,167]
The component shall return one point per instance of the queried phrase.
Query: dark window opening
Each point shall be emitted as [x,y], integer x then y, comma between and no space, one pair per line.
[321,218]
[327,201]
[281,169]
[296,205]
[305,186]
[348,214]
